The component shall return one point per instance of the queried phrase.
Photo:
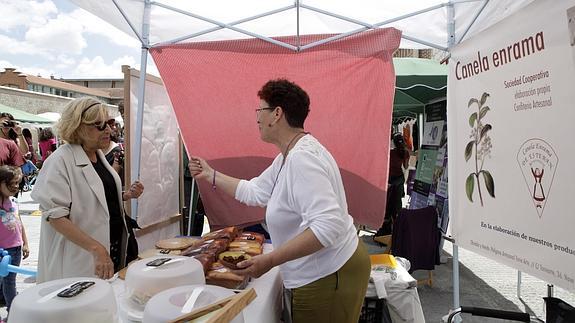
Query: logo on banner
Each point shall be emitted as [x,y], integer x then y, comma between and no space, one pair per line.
[538,162]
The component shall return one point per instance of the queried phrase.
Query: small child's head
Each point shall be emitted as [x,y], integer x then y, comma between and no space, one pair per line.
[10,178]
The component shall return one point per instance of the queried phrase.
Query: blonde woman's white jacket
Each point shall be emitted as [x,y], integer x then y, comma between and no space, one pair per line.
[68,186]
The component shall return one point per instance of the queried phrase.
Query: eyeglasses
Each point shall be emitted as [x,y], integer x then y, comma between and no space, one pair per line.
[101,126]
[260,109]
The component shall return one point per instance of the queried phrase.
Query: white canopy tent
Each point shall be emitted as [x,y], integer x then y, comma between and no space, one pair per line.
[424,23]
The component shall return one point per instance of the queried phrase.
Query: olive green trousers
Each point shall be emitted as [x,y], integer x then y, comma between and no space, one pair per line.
[336,298]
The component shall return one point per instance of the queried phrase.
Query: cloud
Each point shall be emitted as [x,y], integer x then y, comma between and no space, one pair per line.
[25,13]
[37,38]
[98,68]
[13,46]
[60,34]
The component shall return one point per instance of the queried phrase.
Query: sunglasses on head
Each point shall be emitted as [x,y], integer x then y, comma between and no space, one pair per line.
[102,125]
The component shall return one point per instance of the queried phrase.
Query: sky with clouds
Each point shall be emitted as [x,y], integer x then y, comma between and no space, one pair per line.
[55,37]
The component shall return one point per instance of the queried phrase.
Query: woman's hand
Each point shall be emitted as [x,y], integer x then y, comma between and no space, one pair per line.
[136,189]
[200,169]
[103,265]
[255,267]
[25,251]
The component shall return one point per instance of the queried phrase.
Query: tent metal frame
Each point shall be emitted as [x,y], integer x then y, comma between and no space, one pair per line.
[145,42]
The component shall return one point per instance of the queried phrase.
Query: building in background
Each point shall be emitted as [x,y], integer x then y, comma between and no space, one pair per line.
[36,94]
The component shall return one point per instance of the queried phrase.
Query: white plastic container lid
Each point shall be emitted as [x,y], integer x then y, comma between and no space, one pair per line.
[41,303]
[144,281]
[170,304]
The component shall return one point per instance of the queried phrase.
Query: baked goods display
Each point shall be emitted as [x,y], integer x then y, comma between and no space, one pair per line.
[220,251]
[81,299]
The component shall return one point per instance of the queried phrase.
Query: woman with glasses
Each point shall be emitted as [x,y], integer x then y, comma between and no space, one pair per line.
[322,262]
[83,232]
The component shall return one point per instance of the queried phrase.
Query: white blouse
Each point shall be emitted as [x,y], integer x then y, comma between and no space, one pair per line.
[307,192]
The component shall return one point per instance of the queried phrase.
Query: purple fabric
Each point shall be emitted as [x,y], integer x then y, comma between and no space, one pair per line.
[416,238]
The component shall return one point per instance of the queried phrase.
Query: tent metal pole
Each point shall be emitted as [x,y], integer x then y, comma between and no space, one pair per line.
[209,30]
[128,21]
[473,21]
[135,174]
[297,7]
[191,211]
[450,43]
[423,42]
[228,26]
[519,284]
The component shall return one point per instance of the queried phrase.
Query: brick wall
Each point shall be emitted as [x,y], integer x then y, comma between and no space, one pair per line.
[12,78]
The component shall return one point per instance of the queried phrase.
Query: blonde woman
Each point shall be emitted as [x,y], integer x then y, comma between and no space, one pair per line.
[83,232]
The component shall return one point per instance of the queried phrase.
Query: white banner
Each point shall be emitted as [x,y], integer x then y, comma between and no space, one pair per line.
[159,162]
[511,106]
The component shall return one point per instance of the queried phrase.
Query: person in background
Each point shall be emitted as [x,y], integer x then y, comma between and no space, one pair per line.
[398,160]
[12,234]
[10,154]
[83,231]
[197,215]
[114,152]
[47,143]
[322,262]
[11,130]
[28,137]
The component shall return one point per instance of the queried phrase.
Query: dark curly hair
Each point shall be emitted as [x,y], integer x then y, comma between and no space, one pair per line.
[46,134]
[293,100]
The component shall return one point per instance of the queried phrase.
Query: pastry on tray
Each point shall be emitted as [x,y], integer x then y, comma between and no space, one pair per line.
[248,250]
[251,236]
[224,277]
[177,243]
[225,233]
[231,259]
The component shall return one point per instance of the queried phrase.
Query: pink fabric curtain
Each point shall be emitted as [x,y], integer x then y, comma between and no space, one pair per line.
[213,88]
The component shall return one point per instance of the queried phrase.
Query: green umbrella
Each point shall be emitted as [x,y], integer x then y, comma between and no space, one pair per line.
[22,116]
[417,82]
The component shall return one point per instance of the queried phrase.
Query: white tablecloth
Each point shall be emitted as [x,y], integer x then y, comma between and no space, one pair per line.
[265,308]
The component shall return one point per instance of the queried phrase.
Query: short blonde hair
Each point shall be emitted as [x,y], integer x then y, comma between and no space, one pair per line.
[85,110]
